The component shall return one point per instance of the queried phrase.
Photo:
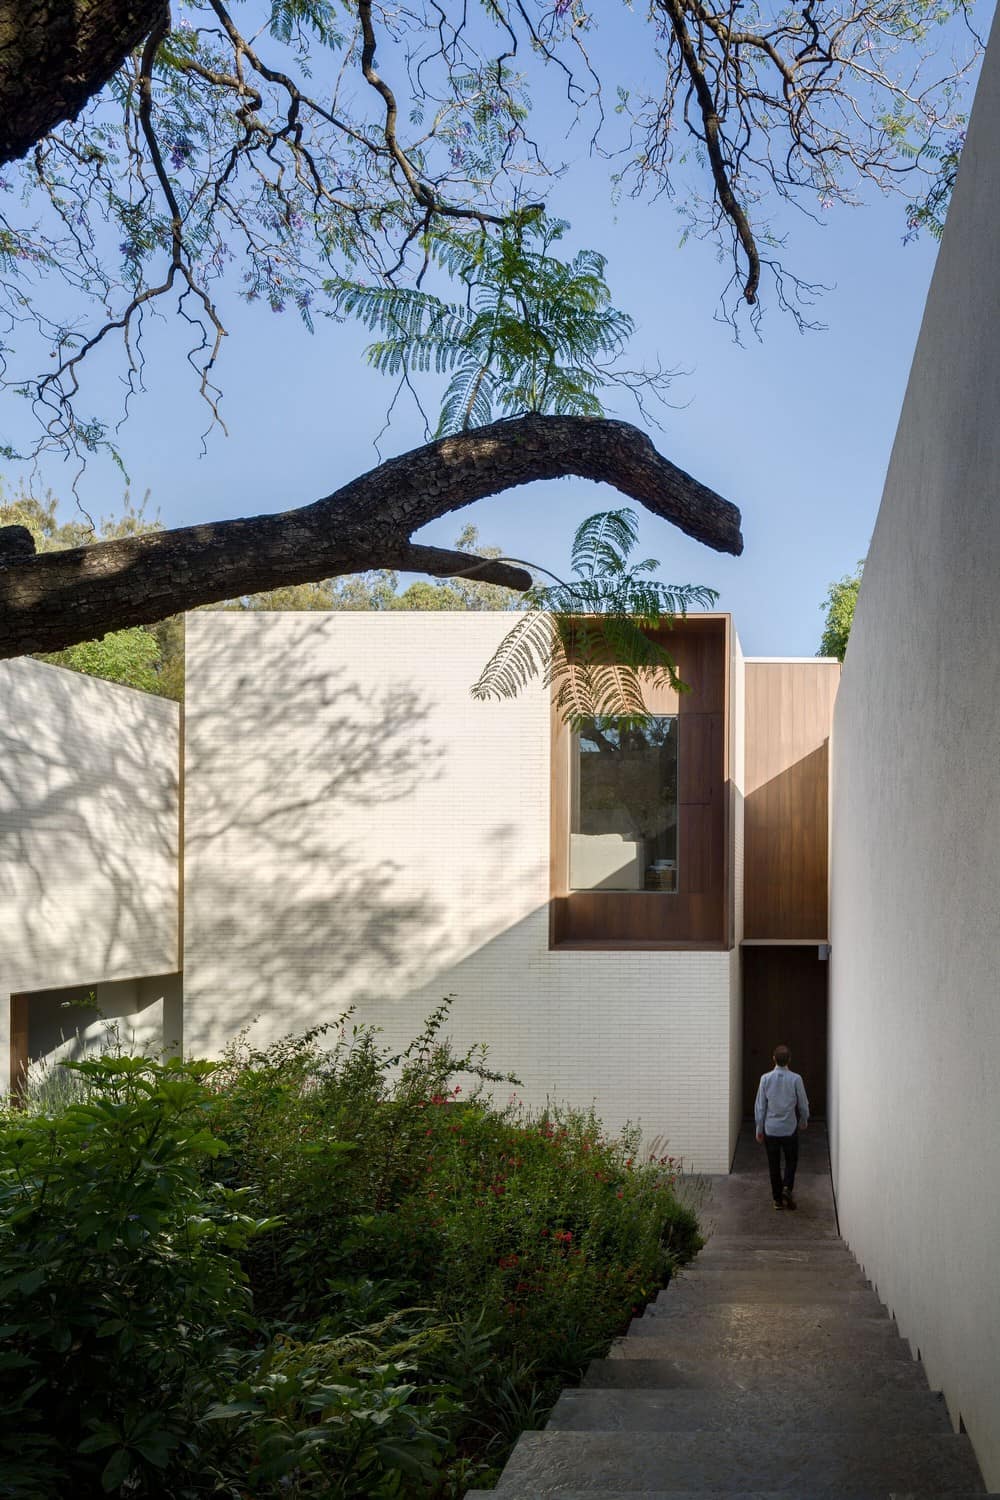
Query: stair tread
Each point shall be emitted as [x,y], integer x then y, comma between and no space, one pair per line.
[793,1494]
[907,1408]
[829,1464]
[643,1369]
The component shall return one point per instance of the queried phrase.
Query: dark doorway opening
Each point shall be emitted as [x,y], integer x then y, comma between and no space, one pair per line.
[785,1000]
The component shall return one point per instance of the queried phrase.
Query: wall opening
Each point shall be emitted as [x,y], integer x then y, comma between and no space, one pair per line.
[785,1000]
[63,1025]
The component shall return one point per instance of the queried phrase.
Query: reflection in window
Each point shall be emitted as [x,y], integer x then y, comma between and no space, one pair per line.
[623,827]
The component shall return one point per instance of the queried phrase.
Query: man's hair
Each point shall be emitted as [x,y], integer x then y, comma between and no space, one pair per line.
[782,1056]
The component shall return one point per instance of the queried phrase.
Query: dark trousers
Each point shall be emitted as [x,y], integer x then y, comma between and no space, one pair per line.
[774,1145]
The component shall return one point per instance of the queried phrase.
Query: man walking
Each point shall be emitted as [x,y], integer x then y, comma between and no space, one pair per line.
[782,1110]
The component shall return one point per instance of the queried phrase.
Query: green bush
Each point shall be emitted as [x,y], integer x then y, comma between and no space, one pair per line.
[309,1270]
[120,1279]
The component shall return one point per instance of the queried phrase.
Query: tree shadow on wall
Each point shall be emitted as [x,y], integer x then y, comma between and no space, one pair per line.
[281,910]
[88,828]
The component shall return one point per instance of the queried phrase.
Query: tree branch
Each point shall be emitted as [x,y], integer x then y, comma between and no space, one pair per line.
[54,60]
[51,601]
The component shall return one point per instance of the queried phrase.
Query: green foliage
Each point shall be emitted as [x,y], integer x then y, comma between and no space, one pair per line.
[596,639]
[118,1273]
[533,333]
[312,1270]
[839,605]
[130,656]
[930,211]
[378,589]
[149,658]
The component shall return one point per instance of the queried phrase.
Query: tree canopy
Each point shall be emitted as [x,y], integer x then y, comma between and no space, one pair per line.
[839,605]
[328,156]
[335,158]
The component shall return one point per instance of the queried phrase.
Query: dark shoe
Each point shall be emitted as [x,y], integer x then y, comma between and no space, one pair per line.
[777,1203]
[789,1199]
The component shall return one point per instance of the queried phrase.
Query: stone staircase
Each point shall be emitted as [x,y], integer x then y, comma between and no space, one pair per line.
[768,1370]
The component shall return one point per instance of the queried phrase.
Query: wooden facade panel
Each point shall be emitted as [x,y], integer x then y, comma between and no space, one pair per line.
[699,757]
[696,914]
[789,713]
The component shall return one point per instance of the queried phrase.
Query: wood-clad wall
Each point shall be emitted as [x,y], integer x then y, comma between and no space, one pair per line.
[789,713]
[697,915]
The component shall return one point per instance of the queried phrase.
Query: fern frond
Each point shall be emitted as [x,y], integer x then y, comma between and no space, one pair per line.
[525,653]
[604,541]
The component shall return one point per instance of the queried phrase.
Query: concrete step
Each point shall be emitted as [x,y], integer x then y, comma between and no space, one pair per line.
[750,1257]
[654,1339]
[761,1319]
[633,1369]
[789,1233]
[830,1466]
[790,1273]
[686,1296]
[797,1494]
[782,1414]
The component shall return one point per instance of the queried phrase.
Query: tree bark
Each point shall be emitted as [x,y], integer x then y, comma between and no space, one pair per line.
[59,598]
[55,54]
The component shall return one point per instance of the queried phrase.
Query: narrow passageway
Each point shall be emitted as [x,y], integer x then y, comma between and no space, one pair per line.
[768,1368]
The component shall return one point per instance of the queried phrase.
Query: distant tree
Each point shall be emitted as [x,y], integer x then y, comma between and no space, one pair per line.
[143,657]
[378,589]
[132,657]
[839,606]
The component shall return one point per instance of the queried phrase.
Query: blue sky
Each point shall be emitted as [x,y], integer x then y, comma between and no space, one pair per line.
[794,428]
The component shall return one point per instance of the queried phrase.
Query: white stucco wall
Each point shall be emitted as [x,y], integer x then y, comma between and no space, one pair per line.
[359,831]
[915,1030]
[88,833]
[737,768]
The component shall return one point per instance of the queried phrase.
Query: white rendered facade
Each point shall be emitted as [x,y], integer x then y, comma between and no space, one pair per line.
[915,1034]
[360,832]
[89,847]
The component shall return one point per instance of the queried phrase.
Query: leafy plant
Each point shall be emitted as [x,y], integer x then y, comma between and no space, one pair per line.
[596,639]
[534,334]
[310,1270]
[119,1273]
[840,603]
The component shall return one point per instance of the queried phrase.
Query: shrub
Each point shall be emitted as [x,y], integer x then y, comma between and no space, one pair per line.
[536,1234]
[309,1271]
[119,1277]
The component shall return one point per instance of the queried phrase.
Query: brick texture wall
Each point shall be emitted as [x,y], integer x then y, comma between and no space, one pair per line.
[359,832]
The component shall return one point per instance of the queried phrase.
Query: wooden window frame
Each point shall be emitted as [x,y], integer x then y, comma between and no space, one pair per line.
[699,914]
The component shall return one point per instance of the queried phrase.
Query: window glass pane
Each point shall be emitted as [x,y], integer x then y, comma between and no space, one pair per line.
[623,825]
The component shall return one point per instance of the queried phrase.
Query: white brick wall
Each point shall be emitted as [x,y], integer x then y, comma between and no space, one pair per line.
[88,833]
[359,831]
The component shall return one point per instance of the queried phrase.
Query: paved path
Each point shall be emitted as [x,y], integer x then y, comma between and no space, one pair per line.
[768,1370]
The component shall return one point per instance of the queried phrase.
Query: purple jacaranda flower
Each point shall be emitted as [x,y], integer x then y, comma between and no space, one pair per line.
[180,150]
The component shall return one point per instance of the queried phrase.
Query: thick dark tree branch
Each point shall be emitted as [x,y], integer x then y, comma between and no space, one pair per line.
[54,600]
[57,57]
